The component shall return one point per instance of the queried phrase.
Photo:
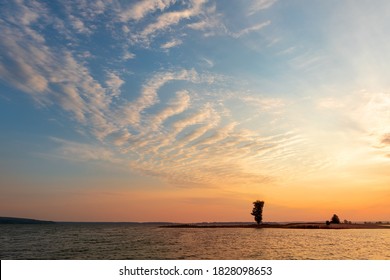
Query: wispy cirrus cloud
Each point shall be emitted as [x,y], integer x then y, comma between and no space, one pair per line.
[141,9]
[171,126]
[79,25]
[75,151]
[51,75]
[250,29]
[176,106]
[172,18]
[258,5]
[149,95]
[114,83]
[128,55]
[171,44]
[265,103]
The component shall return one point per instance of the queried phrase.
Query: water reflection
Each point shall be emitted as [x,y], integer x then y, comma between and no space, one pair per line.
[123,241]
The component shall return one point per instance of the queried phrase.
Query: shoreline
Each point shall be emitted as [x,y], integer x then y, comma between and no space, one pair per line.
[286,226]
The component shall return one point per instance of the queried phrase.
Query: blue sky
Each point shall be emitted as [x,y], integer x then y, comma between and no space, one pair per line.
[198,101]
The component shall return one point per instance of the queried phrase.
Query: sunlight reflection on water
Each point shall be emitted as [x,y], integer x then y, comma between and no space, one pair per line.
[124,241]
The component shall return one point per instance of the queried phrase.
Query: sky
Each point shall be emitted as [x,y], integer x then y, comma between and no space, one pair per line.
[188,111]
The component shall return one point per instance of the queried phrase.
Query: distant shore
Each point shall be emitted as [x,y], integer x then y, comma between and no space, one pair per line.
[295,225]
[12,220]
[287,226]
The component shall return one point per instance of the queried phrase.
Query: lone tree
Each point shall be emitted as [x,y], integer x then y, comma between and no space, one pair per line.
[335,219]
[257,211]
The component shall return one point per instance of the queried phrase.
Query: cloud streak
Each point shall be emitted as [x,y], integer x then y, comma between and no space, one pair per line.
[171,44]
[174,125]
[258,5]
[169,19]
[139,10]
[250,29]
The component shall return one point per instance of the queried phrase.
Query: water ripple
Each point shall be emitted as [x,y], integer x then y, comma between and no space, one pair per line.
[124,241]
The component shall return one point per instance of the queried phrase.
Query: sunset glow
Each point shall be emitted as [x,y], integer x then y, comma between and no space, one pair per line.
[188,111]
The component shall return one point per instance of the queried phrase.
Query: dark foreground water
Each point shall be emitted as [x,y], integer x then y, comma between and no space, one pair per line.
[124,241]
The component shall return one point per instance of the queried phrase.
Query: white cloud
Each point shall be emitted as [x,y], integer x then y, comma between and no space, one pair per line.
[149,95]
[204,114]
[26,63]
[200,25]
[250,29]
[264,103]
[72,102]
[75,151]
[207,62]
[24,15]
[210,22]
[308,60]
[143,8]
[122,138]
[171,44]
[78,25]
[172,18]
[128,55]
[52,75]
[125,29]
[114,83]
[258,5]
[172,139]
[176,106]
[220,134]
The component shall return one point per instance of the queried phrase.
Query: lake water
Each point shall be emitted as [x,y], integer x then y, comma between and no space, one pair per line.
[125,241]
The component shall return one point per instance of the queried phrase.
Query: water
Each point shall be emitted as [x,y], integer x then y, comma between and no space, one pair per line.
[125,241]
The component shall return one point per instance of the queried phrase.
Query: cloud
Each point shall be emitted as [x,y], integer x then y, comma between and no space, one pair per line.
[209,21]
[19,70]
[139,10]
[149,94]
[207,62]
[219,135]
[79,25]
[50,74]
[264,103]
[75,151]
[175,106]
[385,140]
[212,24]
[171,44]
[24,15]
[202,115]
[208,119]
[114,83]
[72,102]
[122,137]
[175,125]
[22,64]
[200,25]
[168,19]
[308,60]
[258,5]
[250,29]
[128,55]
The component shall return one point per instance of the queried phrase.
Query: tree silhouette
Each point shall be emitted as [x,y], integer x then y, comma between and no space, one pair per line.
[335,219]
[257,211]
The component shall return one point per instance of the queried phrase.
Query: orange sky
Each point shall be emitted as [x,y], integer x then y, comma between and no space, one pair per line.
[188,111]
